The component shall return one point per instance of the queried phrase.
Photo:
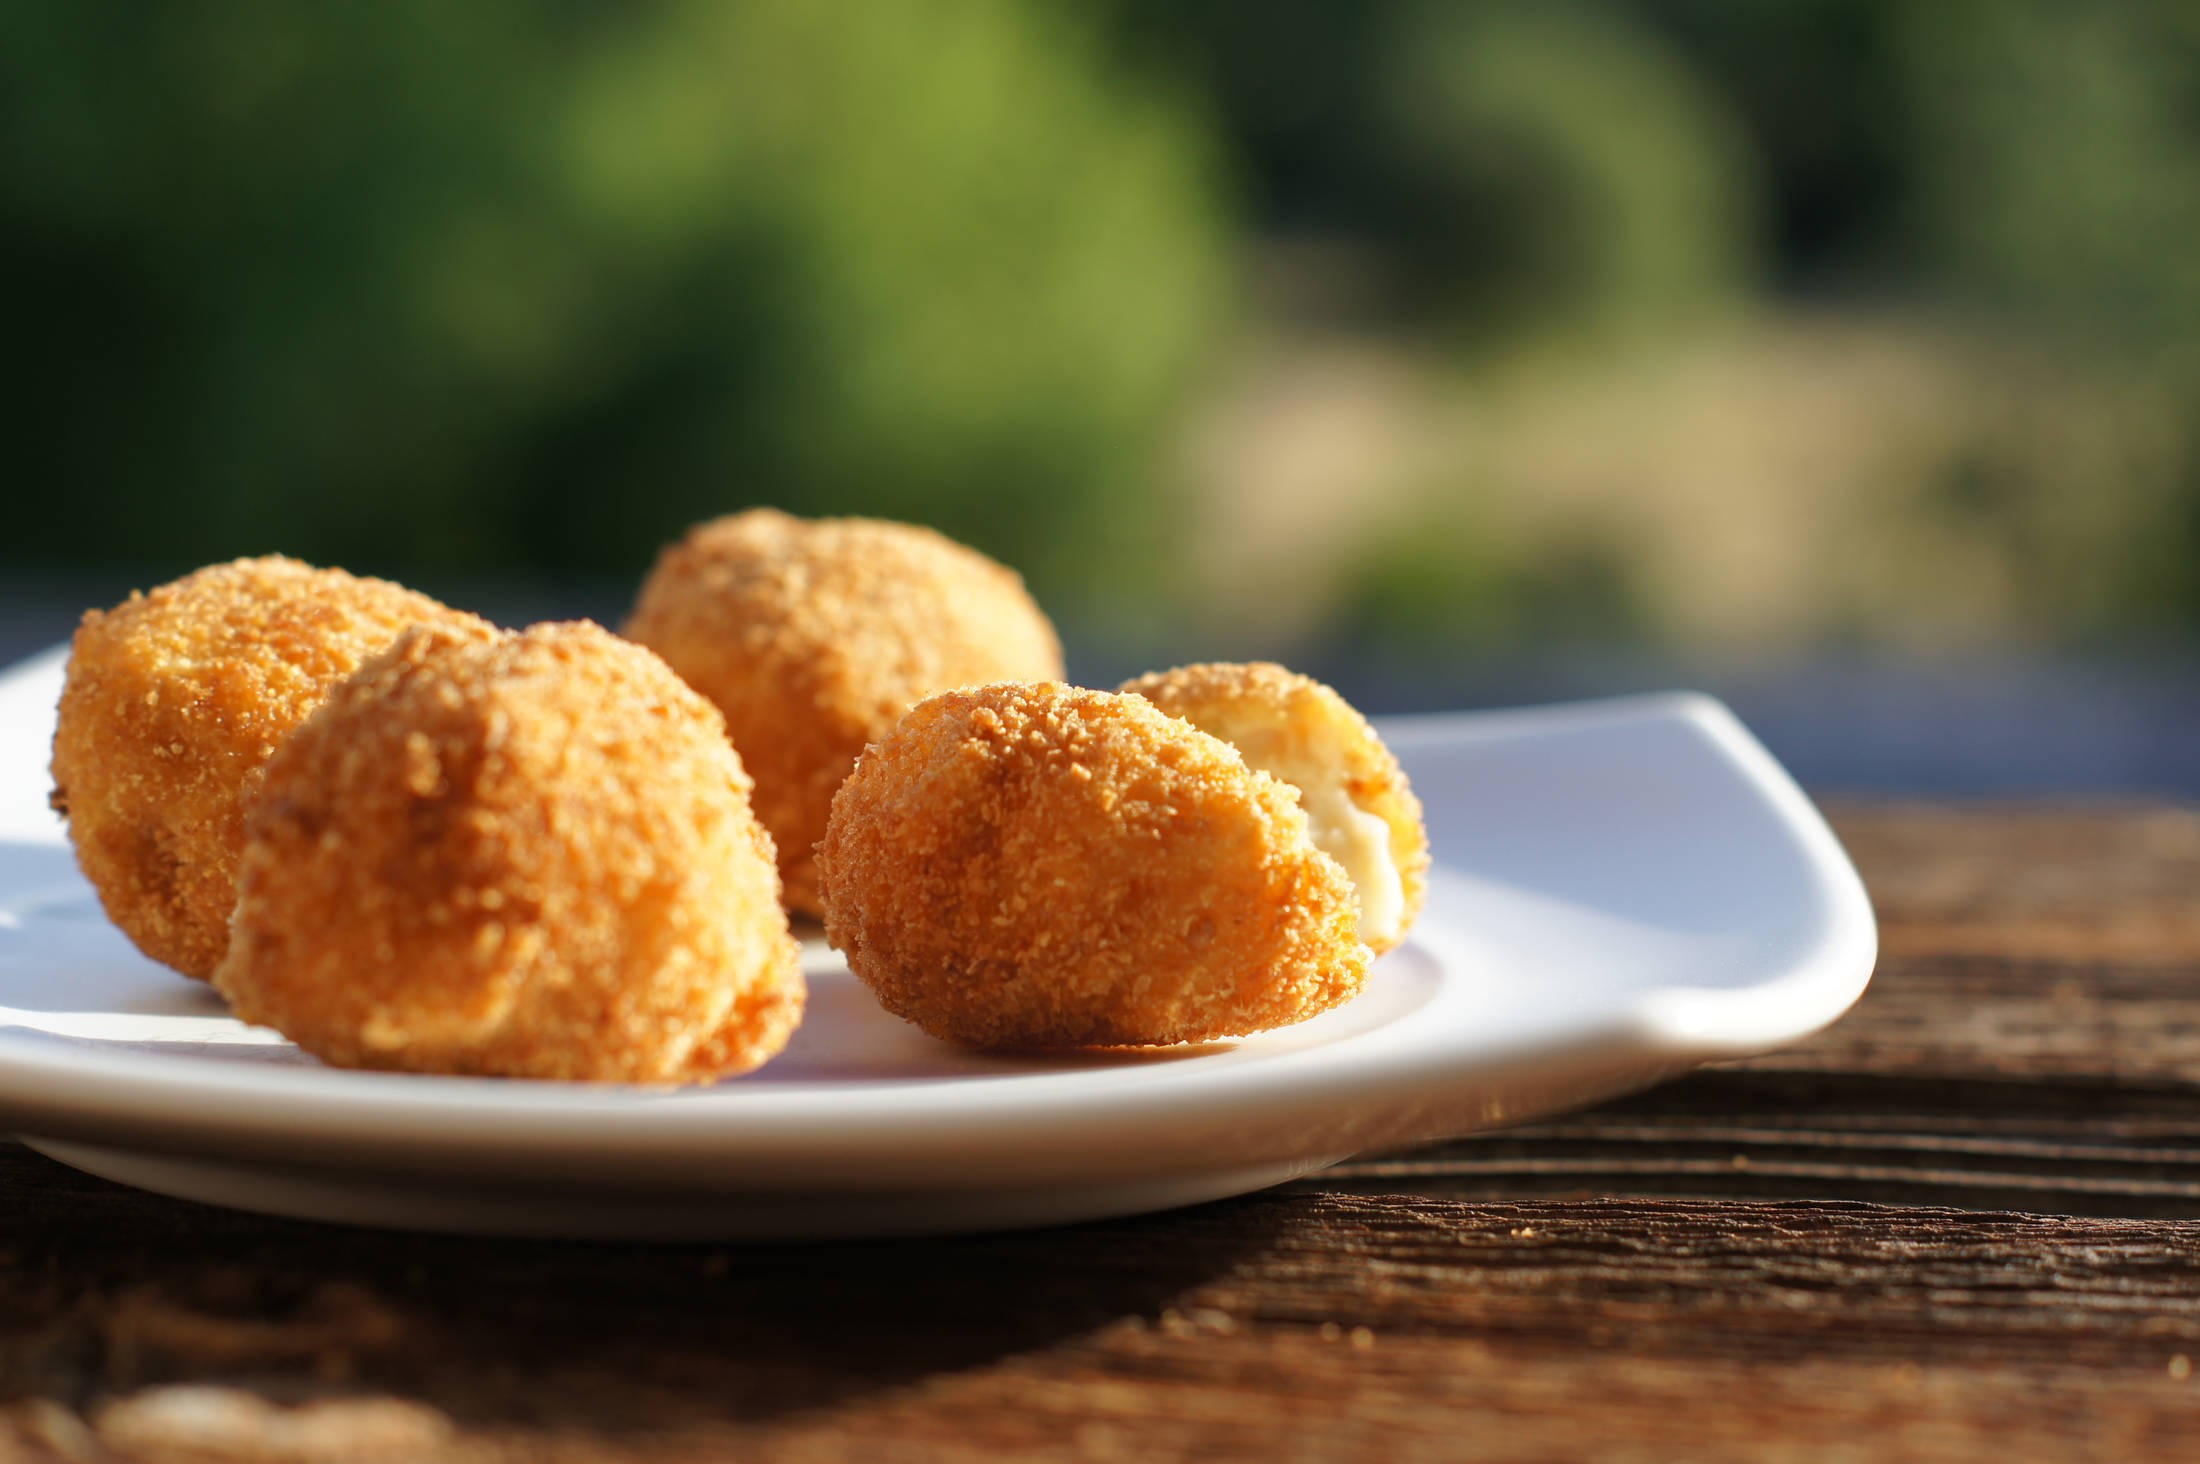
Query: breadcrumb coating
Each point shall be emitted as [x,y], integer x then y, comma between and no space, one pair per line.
[174,702]
[1038,866]
[813,636]
[1303,732]
[528,855]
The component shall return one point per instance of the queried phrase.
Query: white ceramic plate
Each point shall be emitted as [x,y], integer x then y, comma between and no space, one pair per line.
[1626,889]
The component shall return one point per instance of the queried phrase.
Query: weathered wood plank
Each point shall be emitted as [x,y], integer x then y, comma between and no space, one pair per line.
[2081,883]
[2075,1147]
[1308,1326]
[1993,1017]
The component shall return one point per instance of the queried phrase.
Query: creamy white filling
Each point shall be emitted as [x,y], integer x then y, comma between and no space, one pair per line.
[1360,841]
[1357,839]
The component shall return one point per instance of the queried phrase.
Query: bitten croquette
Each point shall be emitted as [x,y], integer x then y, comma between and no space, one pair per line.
[1362,811]
[1039,866]
[524,855]
[173,704]
[813,636]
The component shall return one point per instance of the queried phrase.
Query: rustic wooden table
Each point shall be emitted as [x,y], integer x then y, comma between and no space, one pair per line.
[1961,1225]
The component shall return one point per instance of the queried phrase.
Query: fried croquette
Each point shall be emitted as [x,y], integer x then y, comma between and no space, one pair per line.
[1361,811]
[174,702]
[1039,866]
[527,855]
[813,636]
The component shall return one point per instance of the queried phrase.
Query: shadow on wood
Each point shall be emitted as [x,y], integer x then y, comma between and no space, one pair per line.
[110,1290]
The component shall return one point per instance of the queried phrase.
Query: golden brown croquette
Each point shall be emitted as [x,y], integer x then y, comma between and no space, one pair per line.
[174,702]
[1357,802]
[813,636]
[1034,865]
[528,855]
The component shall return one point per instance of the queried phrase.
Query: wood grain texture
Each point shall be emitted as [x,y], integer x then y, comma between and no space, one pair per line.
[1962,1225]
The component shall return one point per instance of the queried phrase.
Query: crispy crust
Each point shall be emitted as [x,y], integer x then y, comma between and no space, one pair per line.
[1035,866]
[174,702]
[814,636]
[527,855]
[1276,717]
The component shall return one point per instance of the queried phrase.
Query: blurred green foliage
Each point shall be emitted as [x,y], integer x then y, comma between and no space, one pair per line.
[2057,161]
[515,284]
[1565,166]
[2018,180]
[504,285]
[2038,156]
